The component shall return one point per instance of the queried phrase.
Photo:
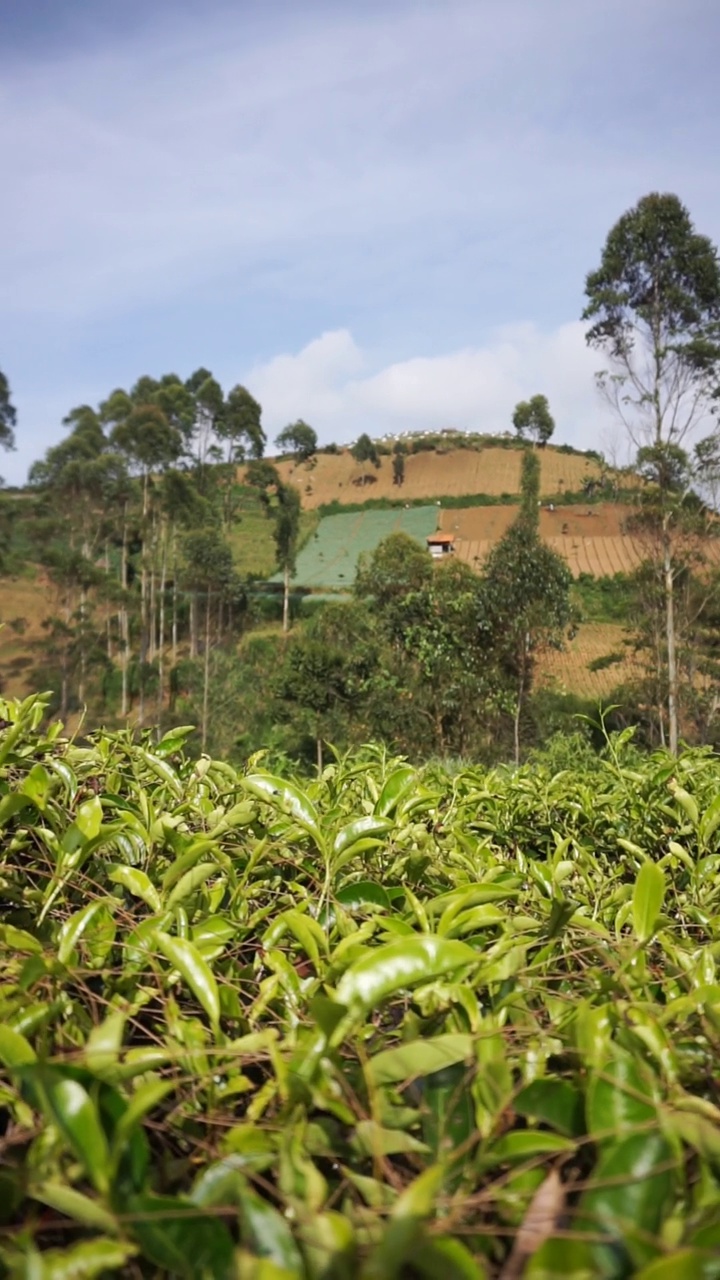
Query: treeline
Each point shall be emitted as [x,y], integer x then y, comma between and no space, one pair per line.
[129,519]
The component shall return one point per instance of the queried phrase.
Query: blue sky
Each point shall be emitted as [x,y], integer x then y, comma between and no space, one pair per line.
[378,216]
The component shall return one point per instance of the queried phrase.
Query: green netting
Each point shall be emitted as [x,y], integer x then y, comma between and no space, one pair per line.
[330,557]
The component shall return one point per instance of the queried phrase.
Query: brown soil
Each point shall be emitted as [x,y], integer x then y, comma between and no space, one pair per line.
[339,478]
[28,599]
[568,669]
[592,539]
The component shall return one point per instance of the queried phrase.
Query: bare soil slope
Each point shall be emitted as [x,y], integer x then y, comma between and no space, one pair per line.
[591,539]
[568,670]
[494,471]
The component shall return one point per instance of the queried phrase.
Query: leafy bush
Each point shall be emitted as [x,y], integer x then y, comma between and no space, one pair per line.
[396,1024]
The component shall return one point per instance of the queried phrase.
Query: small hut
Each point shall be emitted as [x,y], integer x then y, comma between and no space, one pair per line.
[440,544]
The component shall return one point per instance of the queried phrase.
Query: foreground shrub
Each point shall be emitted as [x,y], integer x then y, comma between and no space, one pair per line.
[394,1024]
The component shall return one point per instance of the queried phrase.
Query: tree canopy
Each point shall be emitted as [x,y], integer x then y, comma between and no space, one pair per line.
[8,415]
[533,416]
[654,310]
[299,439]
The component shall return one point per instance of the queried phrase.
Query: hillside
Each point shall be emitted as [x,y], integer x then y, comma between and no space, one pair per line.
[451,473]
[590,535]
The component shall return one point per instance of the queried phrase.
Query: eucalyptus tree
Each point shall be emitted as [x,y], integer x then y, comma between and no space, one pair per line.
[534,416]
[240,431]
[146,425]
[209,572]
[82,478]
[282,504]
[208,405]
[8,415]
[298,439]
[654,311]
[524,600]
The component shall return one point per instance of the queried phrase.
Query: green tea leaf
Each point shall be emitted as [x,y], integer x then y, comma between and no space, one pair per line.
[361,829]
[194,970]
[399,965]
[288,799]
[88,818]
[191,882]
[419,1058]
[15,1051]
[632,1184]
[74,1205]
[553,1101]
[175,1235]
[75,926]
[647,900]
[137,883]
[75,1113]
[617,1098]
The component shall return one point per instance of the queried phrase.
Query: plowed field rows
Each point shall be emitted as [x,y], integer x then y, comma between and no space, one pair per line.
[591,539]
[494,471]
[568,670]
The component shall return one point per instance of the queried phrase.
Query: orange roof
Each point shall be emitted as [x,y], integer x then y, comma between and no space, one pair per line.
[440,538]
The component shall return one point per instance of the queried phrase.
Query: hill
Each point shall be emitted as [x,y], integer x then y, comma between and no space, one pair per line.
[589,534]
[441,472]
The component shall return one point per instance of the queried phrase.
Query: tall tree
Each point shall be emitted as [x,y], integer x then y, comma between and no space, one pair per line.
[534,416]
[282,503]
[208,412]
[654,308]
[8,415]
[209,571]
[365,450]
[298,439]
[524,599]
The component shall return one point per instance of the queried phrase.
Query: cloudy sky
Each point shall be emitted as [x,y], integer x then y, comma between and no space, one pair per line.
[377,214]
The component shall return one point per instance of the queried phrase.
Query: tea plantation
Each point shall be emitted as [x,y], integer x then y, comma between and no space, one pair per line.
[394,1023]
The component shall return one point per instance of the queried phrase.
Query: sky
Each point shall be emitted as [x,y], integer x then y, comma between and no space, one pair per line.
[377,216]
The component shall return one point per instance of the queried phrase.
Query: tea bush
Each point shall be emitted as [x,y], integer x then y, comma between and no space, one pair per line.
[395,1024]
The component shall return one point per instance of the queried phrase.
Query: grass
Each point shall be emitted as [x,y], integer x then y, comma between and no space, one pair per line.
[603,599]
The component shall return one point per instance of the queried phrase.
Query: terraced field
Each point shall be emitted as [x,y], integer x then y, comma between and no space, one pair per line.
[568,670]
[493,471]
[591,539]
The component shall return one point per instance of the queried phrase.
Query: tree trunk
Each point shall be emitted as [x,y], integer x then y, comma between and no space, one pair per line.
[206,674]
[286,599]
[108,612]
[319,750]
[518,709]
[161,630]
[174,597]
[672,669]
[123,620]
[83,661]
[193,625]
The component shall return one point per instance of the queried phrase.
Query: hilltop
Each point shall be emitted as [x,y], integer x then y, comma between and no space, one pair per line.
[434,471]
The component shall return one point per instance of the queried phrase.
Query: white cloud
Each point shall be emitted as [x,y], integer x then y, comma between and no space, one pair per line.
[475,388]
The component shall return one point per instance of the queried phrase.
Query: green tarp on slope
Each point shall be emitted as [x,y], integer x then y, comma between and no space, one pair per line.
[330,558]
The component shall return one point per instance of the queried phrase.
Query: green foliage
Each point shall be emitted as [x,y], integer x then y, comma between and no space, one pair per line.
[365,450]
[525,603]
[389,1023]
[8,416]
[534,416]
[654,307]
[299,439]
[603,599]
